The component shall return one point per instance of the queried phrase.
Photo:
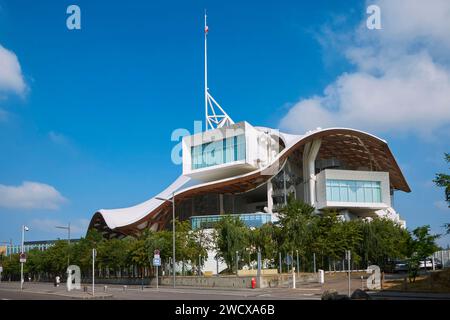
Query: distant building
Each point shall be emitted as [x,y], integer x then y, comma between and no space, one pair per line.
[41,245]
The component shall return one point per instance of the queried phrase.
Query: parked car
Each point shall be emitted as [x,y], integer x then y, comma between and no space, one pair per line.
[400,266]
[428,264]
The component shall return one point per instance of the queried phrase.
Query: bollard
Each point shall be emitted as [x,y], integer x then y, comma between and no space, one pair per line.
[124,288]
[362,283]
[321,276]
[85,289]
[293,278]
[104,288]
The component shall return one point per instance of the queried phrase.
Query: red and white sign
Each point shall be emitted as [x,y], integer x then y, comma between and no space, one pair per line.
[23,258]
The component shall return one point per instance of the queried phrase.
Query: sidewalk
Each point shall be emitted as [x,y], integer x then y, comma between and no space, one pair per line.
[48,288]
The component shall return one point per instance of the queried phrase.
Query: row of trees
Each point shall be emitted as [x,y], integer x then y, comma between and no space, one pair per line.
[127,257]
[327,236]
[298,231]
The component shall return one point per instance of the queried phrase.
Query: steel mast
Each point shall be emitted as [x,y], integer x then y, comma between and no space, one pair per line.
[217,118]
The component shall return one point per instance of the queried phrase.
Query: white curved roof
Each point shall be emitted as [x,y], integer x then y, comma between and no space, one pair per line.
[115,218]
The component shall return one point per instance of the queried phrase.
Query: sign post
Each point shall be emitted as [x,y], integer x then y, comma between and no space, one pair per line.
[348,255]
[22,259]
[94,254]
[156,263]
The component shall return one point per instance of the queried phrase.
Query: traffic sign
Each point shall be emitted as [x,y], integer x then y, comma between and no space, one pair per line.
[288,260]
[348,255]
[156,254]
[157,262]
[23,258]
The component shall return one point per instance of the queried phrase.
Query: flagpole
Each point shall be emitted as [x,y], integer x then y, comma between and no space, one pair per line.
[206,76]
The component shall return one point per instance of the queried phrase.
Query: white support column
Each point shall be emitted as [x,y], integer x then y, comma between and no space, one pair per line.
[269,196]
[305,171]
[309,174]
[221,210]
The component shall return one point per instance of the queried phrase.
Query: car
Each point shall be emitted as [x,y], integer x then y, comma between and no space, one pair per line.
[428,264]
[400,266]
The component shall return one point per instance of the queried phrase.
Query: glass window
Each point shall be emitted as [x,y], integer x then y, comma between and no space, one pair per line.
[343,193]
[376,195]
[328,191]
[353,191]
[335,193]
[218,152]
[368,195]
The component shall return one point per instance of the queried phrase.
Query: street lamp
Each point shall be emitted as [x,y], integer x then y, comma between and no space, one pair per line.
[68,240]
[24,228]
[173,232]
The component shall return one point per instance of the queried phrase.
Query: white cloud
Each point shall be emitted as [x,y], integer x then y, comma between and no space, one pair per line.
[77,227]
[30,195]
[401,82]
[58,138]
[442,206]
[11,78]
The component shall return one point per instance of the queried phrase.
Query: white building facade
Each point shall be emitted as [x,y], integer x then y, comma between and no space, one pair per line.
[239,169]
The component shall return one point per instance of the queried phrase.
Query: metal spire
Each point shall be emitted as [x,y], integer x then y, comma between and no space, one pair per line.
[214,118]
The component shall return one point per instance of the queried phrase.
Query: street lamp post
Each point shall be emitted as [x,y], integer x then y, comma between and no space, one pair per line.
[237,262]
[68,240]
[24,228]
[173,233]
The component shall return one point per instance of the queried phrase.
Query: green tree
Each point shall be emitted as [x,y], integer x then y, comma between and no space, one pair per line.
[382,240]
[297,222]
[55,258]
[231,235]
[112,255]
[421,245]
[81,252]
[11,267]
[443,180]
[264,238]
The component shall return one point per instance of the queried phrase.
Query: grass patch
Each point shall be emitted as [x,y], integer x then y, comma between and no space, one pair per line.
[435,282]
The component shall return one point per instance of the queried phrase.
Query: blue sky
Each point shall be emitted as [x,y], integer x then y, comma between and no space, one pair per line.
[86,115]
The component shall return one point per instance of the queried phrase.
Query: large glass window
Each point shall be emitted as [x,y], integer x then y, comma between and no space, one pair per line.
[353,191]
[250,220]
[218,152]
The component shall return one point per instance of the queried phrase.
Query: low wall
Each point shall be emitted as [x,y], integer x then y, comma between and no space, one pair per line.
[266,281]
[123,281]
[253,272]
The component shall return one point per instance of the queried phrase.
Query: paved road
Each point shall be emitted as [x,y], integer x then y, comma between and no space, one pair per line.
[48,291]
[17,295]
[310,291]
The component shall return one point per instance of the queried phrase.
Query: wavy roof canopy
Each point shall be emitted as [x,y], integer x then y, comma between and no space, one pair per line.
[356,148]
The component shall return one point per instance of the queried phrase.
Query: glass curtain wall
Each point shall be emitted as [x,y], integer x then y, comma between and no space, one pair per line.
[218,152]
[353,191]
